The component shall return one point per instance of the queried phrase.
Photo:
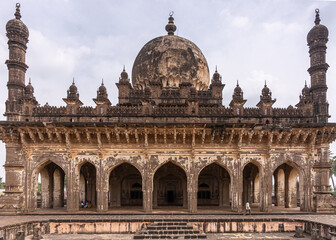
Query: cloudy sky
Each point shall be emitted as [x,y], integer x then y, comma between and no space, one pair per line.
[249,41]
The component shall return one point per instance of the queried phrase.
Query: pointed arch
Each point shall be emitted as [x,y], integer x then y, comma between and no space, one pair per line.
[218,180]
[219,164]
[111,168]
[125,185]
[251,170]
[170,161]
[288,186]
[87,170]
[50,193]
[170,185]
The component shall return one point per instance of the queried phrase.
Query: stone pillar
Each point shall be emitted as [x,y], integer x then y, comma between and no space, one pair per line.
[265,190]
[221,192]
[226,192]
[73,186]
[12,200]
[147,190]
[280,189]
[185,195]
[155,194]
[237,190]
[45,188]
[58,194]
[103,191]
[192,189]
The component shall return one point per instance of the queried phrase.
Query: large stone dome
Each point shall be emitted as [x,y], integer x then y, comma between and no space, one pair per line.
[170,60]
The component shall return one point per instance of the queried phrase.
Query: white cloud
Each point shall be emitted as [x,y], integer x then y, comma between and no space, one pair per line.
[281,28]
[234,20]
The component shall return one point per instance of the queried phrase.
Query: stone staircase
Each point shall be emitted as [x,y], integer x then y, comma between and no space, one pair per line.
[169,230]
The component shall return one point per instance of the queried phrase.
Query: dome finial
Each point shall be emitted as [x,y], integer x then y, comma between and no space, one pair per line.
[171,27]
[237,83]
[17,12]
[102,81]
[317,16]
[73,80]
[29,80]
[265,84]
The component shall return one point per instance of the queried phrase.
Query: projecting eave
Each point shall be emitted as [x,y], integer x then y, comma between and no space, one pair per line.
[105,134]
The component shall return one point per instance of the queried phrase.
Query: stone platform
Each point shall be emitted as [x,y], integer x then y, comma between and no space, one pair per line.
[216,226]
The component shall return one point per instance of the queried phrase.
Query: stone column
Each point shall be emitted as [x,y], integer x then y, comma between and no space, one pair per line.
[192,189]
[221,192]
[73,185]
[58,194]
[102,179]
[265,190]
[104,193]
[226,192]
[147,190]
[237,189]
[12,200]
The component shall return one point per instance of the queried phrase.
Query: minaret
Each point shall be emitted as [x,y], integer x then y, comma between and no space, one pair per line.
[17,33]
[317,39]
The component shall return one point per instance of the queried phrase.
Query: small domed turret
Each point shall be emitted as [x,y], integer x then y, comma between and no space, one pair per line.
[266,93]
[237,93]
[29,89]
[16,29]
[102,92]
[124,76]
[216,77]
[73,88]
[72,92]
[305,90]
[319,32]
[102,88]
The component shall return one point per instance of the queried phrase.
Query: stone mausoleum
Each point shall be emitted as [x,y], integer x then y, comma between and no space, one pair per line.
[169,143]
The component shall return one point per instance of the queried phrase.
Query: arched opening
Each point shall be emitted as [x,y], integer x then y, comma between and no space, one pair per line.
[125,186]
[251,185]
[286,186]
[170,186]
[51,188]
[214,186]
[87,185]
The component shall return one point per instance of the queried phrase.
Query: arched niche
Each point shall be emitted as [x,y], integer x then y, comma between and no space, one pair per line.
[51,186]
[286,186]
[87,184]
[214,186]
[251,184]
[125,186]
[170,186]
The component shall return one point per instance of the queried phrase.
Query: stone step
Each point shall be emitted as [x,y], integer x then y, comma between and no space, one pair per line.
[169,223]
[169,230]
[203,236]
[169,227]
[160,232]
